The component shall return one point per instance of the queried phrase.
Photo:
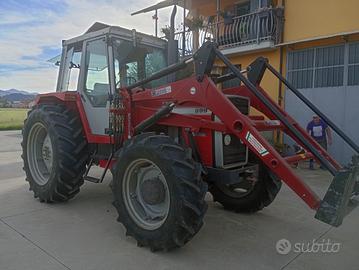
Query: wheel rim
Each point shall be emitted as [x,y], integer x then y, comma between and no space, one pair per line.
[146,194]
[39,153]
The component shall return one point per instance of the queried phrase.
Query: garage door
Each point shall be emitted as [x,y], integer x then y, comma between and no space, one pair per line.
[329,77]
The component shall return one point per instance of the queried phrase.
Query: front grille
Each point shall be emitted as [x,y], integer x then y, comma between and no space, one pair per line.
[235,153]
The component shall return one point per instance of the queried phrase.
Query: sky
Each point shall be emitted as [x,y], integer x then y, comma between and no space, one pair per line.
[31,32]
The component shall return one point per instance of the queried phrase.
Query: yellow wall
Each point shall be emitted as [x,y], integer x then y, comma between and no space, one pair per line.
[305,19]
[269,82]
[324,42]
[208,7]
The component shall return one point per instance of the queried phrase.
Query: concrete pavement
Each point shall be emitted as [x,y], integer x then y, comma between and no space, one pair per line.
[84,234]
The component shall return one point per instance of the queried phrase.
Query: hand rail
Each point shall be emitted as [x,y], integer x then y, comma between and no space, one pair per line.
[254,28]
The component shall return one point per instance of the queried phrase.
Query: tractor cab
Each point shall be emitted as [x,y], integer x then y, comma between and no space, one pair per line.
[106,58]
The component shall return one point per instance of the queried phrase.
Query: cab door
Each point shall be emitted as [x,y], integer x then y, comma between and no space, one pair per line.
[95,84]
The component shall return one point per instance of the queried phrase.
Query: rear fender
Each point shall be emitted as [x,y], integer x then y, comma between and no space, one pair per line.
[73,100]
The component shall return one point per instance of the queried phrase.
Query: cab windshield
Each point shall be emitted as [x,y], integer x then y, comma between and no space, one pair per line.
[133,64]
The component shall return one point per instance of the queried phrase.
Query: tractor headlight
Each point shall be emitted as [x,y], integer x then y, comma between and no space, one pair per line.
[227,139]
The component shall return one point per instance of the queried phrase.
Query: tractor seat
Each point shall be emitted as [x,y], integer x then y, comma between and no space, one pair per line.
[100,94]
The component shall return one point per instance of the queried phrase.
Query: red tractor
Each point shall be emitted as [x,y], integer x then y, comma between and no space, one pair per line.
[168,135]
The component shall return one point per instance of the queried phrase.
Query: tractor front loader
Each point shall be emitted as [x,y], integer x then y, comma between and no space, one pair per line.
[167,141]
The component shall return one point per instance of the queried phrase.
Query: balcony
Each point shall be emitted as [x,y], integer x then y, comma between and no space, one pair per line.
[255,31]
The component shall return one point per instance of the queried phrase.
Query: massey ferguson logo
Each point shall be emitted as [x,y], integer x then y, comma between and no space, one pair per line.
[161,91]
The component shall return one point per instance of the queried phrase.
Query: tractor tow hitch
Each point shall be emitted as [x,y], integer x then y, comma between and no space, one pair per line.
[233,176]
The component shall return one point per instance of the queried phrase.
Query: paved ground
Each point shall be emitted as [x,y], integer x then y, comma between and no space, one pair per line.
[84,234]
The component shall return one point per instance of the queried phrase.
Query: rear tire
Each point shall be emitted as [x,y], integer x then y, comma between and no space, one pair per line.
[262,194]
[178,198]
[54,152]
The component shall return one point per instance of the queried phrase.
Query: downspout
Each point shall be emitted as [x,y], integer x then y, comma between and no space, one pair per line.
[279,135]
[218,10]
[280,88]
[281,52]
[184,30]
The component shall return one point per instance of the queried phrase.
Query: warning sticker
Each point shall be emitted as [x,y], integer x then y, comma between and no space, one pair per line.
[256,144]
[161,91]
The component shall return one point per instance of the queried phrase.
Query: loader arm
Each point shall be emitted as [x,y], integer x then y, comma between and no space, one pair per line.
[200,90]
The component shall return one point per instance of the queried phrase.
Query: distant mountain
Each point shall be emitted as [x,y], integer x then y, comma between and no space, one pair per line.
[16,95]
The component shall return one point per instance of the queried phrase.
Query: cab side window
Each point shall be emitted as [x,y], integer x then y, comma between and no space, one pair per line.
[97,85]
[70,69]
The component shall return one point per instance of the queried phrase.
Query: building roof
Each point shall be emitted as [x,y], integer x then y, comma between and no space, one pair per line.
[163,4]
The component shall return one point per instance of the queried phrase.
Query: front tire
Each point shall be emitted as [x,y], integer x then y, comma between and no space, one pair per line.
[54,152]
[158,191]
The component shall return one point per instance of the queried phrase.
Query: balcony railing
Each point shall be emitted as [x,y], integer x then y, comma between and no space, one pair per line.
[253,28]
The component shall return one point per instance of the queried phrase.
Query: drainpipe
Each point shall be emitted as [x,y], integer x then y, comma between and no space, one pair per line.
[280,87]
[184,29]
[279,134]
[195,33]
[218,11]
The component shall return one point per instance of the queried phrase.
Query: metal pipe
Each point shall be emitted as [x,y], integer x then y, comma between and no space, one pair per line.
[162,112]
[315,109]
[171,54]
[276,112]
[156,23]
[227,77]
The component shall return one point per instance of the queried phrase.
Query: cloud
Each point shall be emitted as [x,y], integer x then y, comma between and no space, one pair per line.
[39,80]
[32,32]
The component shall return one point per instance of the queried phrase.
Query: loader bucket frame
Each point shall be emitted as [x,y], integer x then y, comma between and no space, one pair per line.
[340,197]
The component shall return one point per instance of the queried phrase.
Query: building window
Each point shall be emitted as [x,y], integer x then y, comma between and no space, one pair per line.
[317,67]
[353,64]
[233,82]
[300,68]
[242,8]
[329,66]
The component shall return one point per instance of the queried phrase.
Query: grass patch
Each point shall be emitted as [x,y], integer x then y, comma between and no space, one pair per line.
[12,118]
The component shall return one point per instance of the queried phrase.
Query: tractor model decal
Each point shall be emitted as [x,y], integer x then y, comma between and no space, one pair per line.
[256,144]
[192,110]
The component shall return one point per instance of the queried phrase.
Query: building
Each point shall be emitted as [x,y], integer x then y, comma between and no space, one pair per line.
[315,44]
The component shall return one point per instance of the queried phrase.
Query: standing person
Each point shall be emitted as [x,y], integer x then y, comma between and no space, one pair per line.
[320,132]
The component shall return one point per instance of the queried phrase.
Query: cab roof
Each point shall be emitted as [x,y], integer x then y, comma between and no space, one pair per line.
[100,29]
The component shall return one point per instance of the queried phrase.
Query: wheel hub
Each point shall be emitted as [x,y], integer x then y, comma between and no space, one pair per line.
[47,152]
[146,194]
[39,153]
[153,191]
